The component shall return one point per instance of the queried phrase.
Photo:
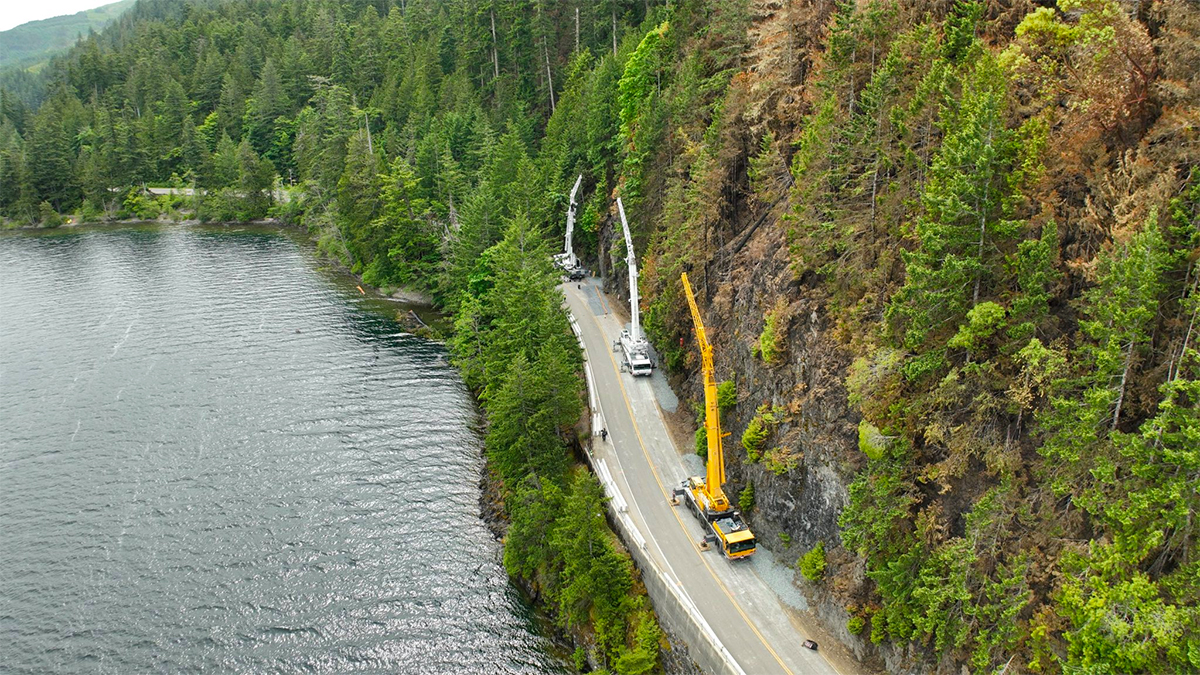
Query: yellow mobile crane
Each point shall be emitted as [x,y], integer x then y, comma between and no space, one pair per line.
[706,496]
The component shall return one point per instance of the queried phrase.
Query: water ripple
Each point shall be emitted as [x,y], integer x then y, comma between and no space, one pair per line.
[217,458]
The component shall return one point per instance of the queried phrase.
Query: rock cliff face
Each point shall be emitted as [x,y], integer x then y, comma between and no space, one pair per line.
[798,508]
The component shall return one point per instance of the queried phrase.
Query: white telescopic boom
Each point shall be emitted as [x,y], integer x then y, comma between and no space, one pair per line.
[568,251]
[635,326]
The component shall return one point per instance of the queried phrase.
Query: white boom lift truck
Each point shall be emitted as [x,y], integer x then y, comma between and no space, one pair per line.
[633,345]
[567,260]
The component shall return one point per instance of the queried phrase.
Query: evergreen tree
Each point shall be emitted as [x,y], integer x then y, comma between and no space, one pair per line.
[524,437]
[170,112]
[413,243]
[535,505]
[358,196]
[269,103]
[51,160]
[12,166]
[207,79]
[967,225]
[321,135]
[255,179]
[580,536]
[193,156]
[232,105]
[1120,313]
[225,164]
[523,300]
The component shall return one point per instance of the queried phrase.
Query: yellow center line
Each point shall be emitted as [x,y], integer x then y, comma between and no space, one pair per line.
[602,303]
[674,512]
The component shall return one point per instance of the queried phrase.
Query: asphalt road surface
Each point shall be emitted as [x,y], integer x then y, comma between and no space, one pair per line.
[742,608]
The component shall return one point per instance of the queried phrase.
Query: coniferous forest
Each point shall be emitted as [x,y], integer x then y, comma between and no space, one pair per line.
[949,249]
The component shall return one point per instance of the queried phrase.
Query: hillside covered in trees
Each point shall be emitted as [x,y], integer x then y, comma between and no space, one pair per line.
[33,43]
[948,249]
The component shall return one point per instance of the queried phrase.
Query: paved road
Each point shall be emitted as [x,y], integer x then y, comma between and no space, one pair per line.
[281,195]
[739,605]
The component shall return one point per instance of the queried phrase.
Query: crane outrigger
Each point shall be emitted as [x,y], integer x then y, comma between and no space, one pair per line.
[633,344]
[567,260]
[706,495]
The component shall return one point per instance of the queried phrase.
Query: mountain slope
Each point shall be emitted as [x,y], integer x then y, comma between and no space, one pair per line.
[32,43]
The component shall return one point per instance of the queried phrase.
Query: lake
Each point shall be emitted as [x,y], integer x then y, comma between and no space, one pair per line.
[217,457]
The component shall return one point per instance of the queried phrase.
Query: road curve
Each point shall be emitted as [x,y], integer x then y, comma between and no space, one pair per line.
[741,608]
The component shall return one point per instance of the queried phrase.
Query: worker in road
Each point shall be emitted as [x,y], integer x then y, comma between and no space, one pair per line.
[604,434]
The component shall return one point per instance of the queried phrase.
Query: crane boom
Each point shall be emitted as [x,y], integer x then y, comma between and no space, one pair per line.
[706,497]
[567,260]
[569,251]
[714,479]
[635,323]
[633,343]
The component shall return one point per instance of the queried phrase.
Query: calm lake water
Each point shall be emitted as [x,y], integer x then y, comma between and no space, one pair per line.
[216,457]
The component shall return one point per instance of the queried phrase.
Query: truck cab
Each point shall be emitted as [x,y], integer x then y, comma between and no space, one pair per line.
[724,529]
[636,354]
[641,366]
[735,537]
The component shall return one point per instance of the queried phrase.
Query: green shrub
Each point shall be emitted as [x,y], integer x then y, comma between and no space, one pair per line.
[90,213]
[172,205]
[702,441]
[726,395]
[746,498]
[642,656]
[785,538]
[375,273]
[983,321]
[856,624]
[781,460]
[141,206]
[871,441]
[812,564]
[290,212]
[759,429]
[878,628]
[753,437]
[47,216]
[770,341]
[673,359]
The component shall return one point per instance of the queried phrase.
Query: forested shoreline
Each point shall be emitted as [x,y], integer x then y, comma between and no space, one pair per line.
[971,227]
[413,166]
